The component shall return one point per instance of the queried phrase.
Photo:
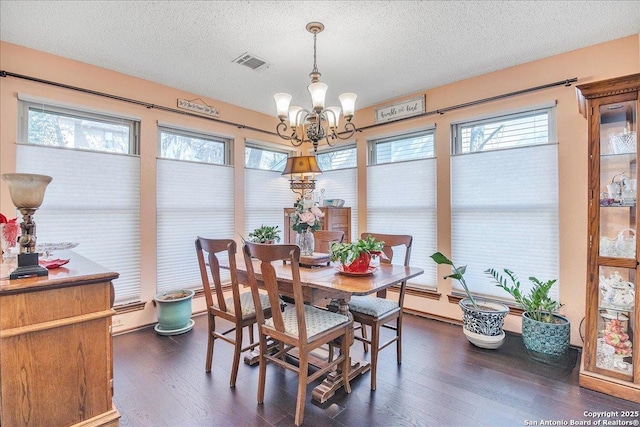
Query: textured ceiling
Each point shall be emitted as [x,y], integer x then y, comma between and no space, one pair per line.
[377,49]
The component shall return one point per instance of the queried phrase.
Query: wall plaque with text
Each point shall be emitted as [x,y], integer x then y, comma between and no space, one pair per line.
[400,110]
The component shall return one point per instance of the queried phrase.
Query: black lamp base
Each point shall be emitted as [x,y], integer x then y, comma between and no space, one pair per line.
[28,266]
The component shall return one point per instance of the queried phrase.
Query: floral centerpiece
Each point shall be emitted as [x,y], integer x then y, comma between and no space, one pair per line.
[9,229]
[304,221]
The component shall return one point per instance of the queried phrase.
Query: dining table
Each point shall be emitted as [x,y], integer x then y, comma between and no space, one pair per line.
[323,282]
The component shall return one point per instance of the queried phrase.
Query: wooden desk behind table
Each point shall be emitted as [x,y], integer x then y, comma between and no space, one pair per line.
[56,359]
[325,282]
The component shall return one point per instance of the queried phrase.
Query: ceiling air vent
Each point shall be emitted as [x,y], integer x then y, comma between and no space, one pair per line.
[251,61]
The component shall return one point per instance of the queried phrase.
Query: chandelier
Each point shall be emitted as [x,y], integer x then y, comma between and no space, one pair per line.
[319,123]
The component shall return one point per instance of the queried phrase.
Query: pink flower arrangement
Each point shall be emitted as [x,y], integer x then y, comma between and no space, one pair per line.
[304,219]
[9,229]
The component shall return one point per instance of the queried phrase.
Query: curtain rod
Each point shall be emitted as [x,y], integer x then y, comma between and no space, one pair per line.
[440,111]
[132,101]
[3,73]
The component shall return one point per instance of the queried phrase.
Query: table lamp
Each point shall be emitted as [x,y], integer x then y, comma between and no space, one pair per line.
[27,194]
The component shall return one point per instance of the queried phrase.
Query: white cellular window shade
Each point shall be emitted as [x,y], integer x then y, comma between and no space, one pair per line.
[341,184]
[267,193]
[193,199]
[93,200]
[504,214]
[401,199]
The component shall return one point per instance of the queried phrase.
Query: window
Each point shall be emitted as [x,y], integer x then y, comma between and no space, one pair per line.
[405,162]
[339,179]
[404,147]
[504,202]
[256,157]
[53,126]
[87,202]
[194,198]
[339,158]
[191,146]
[267,192]
[515,130]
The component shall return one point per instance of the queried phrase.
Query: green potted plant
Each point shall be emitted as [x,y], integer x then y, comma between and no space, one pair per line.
[482,320]
[265,234]
[356,256]
[543,329]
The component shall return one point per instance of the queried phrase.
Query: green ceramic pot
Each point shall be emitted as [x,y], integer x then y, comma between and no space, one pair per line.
[547,338]
[173,309]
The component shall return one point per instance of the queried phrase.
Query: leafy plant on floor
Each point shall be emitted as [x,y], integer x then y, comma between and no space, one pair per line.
[538,305]
[457,273]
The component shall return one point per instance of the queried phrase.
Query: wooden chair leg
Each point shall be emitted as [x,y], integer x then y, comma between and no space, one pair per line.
[363,332]
[302,387]
[250,327]
[210,341]
[375,344]
[262,371]
[236,357]
[346,364]
[399,335]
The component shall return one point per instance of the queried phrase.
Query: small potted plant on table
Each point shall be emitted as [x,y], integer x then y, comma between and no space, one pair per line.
[265,234]
[482,320]
[355,257]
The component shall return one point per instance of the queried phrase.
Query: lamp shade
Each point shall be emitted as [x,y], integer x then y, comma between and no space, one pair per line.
[348,101]
[318,90]
[295,117]
[301,165]
[26,189]
[282,104]
[333,116]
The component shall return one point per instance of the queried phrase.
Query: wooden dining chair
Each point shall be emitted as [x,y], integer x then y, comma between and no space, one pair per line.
[325,238]
[238,309]
[300,328]
[377,311]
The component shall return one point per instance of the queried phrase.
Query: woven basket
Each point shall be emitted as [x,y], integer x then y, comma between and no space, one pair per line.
[623,143]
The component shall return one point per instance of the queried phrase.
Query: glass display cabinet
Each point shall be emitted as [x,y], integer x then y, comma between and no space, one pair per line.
[610,360]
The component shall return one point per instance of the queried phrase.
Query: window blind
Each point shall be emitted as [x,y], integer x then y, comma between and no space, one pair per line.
[193,199]
[341,184]
[401,199]
[267,193]
[90,204]
[504,214]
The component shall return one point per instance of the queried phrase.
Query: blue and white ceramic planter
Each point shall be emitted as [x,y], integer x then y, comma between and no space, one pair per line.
[486,320]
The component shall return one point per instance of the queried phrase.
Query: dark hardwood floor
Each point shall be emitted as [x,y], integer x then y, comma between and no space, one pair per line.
[443,381]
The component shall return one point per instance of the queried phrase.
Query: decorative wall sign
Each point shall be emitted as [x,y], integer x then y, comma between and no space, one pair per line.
[198,108]
[401,110]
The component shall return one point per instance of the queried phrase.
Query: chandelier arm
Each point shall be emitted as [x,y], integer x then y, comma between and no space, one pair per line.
[330,138]
[349,129]
[281,128]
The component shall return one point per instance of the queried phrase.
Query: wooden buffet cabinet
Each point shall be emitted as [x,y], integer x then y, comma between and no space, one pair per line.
[335,219]
[611,359]
[56,366]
